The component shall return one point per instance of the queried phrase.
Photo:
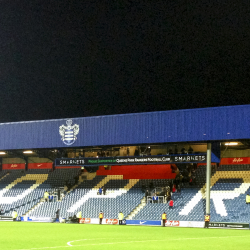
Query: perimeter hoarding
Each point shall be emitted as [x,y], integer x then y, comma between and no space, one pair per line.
[192,158]
[144,222]
[229,225]
[169,223]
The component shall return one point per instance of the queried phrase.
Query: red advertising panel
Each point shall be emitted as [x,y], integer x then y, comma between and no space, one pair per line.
[172,223]
[112,221]
[151,171]
[42,165]
[13,166]
[85,220]
[234,161]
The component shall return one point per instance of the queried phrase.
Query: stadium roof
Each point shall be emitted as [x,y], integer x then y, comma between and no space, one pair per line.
[190,125]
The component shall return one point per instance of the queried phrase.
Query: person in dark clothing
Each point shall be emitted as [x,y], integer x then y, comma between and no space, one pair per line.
[190,150]
[143,188]
[57,214]
[176,151]
[67,185]
[147,193]
[168,195]
[100,191]
[171,186]
[194,180]
[58,194]
[76,179]
[104,190]
[168,198]
[177,179]
[191,181]
[183,150]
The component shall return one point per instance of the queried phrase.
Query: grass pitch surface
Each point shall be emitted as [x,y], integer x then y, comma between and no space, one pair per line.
[27,236]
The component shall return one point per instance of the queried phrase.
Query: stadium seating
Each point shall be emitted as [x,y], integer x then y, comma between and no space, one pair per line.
[26,189]
[228,188]
[23,190]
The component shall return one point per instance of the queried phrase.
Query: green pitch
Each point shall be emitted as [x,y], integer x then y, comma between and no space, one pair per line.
[27,236]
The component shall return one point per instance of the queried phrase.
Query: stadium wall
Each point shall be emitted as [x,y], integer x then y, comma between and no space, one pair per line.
[139,171]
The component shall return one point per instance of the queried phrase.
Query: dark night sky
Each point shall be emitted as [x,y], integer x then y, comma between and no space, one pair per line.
[63,59]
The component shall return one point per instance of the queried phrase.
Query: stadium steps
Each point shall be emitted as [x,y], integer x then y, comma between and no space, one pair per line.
[34,207]
[113,194]
[91,176]
[4,176]
[84,176]
[136,210]
[131,183]
[107,179]
[39,180]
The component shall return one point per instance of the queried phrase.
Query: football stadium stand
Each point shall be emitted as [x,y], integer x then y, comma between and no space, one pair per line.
[23,191]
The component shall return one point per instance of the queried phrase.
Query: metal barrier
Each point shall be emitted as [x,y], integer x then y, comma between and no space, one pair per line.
[161,199]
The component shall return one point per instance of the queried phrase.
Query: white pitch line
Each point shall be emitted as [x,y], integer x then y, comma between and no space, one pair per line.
[128,242]
[68,243]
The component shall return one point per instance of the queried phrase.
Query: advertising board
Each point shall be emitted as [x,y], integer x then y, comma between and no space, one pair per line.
[229,225]
[42,165]
[85,220]
[144,222]
[112,221]
[131,160]
[39,219]
[172,223]
[6,218]
[199,224]
[13,166]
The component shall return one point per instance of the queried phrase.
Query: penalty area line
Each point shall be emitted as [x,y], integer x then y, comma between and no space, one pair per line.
[144,241]
[126,242]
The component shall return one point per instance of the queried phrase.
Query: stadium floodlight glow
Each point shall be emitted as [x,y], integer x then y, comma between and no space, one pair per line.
[28,152]
[231,143]
[2,153]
